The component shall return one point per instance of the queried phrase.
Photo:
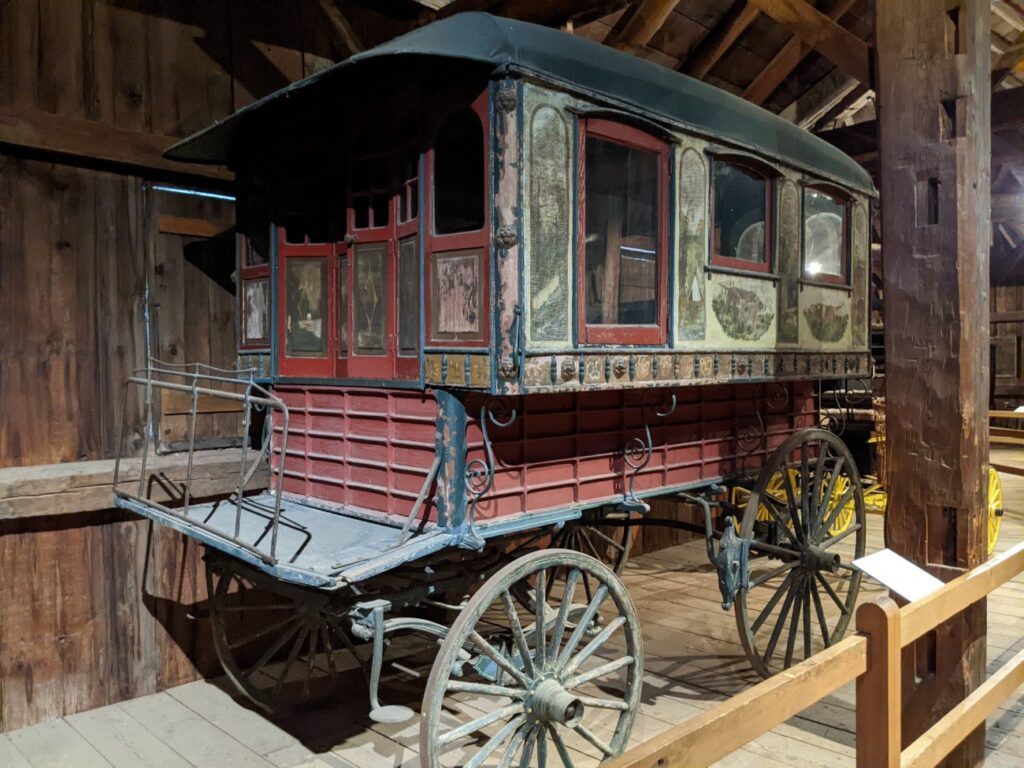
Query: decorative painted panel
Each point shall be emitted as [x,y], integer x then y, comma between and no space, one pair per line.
[550,208]
[789,264]
[825,317]
[860,247]
[456,296]
[693,242]
[743,309]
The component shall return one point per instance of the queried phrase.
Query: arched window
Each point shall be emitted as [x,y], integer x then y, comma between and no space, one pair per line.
[741,233]
[459,174]
[826,241]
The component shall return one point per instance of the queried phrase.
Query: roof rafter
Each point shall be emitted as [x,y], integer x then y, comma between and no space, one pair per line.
[341,31]
[842,48]
[720,39]
[787,60]
[646,19]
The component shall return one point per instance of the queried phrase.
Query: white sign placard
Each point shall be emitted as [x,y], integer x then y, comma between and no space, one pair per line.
[898,574]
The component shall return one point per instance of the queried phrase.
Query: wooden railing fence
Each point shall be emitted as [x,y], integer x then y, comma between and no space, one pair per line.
[871,657]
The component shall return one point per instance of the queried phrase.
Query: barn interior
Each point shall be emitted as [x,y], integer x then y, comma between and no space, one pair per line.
[113,254]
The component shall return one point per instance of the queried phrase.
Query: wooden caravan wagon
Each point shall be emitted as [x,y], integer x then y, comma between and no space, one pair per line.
[498,286]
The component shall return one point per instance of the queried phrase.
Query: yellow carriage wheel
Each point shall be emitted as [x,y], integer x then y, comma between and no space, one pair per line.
[776,489]
[995,508]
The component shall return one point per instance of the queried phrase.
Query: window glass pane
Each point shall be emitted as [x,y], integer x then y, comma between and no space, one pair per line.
[255,312]
[305,296]
[455,295]
[343,307]
[739,213]
[823,234]
[254,224]
[369,317]
[459,174]
[621,234]
[371,177]
[408,297]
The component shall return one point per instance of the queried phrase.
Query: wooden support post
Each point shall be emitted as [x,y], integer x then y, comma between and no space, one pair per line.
[878,690]
[933,96]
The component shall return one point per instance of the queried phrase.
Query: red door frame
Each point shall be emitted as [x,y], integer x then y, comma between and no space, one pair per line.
[318,367]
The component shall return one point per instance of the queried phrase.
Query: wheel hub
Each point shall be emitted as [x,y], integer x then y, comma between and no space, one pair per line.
[549,702]
[814,558]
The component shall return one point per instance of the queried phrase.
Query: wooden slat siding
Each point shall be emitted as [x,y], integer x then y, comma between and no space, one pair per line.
[936,289]
[842,48]
[787,59]
[721,730]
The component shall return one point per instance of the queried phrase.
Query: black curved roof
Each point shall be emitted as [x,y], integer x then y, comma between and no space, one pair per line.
[575,63]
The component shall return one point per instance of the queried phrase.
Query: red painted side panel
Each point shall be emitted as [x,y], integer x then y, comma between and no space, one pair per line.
[365,448]
[373,448]
[567,449]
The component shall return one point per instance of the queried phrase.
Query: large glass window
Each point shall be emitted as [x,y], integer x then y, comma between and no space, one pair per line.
[825,251]
[409,296]
[624,202]
[371,178]
[459,174]
[741,228]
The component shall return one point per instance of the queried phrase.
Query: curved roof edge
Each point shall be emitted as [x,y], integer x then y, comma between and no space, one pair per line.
[579,65]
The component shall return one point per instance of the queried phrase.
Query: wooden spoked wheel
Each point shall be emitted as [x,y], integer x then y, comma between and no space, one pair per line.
[610,544]
[553,686]
[995,509]
[280,647]
[801,596]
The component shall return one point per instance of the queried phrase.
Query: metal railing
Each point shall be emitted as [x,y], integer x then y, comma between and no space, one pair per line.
[198,381]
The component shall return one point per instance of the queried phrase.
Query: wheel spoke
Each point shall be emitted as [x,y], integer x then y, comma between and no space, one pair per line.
[517,633]
[498,658]
[596,703]
[794,623]
[314,636]
[773,573]
[783,615]
[591,648]
[597,672]
[830,489]
[540,604]
[768,501]
[832,593]
[485,689]
[531,738]
[611,542]
[481,722]
[766,611]
[560,747]
[820,610]
[270,652]
[292,656]
[329,649]
[584,623]
[568,593]
[542,748]
[834,512]
[589,735]
[805,494]
[496,741]
[514,745]
[819,470]
[836,539]
[585,535]
[807,619]
[262,633]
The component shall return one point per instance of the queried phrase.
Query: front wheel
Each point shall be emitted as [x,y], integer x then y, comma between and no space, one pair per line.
[521,682]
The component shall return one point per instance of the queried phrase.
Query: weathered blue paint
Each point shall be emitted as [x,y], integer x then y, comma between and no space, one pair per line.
[451,478]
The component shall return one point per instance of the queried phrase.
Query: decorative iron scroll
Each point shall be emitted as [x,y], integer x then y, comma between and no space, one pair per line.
[638,451]
[480,472]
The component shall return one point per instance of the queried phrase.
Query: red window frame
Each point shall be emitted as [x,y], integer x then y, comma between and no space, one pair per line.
[247,273]
[844,201]
[318,367]
[622,334]
[753,167]
[438,245]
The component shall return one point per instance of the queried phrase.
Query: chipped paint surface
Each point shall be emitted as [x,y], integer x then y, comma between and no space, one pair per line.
[828,322]
[693,243]
[860,246]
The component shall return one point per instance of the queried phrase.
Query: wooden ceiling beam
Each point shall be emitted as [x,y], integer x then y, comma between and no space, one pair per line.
[787,60]
[346,38]
[642,24]
[1009,64]
[842,48]
[720,39]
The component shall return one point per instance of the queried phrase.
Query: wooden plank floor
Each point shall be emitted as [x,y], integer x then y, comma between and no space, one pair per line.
[693,660]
